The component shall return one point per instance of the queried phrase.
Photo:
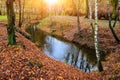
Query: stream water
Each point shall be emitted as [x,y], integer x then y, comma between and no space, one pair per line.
[65,51]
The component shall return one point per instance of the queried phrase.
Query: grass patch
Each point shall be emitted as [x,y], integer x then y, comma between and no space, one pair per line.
[45,22]
[3,17]
[55,23]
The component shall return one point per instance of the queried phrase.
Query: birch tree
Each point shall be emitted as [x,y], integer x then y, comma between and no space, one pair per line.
[118,4]
[119,10]
[11,22]
[98,55]
[90,15]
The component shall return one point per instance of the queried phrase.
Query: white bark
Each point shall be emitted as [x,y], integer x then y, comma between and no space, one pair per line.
[100,68]
[90,10]
[108,8]
[98,55]
[96,30]
[90,15]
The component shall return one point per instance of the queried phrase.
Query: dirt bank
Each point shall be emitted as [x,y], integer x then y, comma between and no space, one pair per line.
[107,42]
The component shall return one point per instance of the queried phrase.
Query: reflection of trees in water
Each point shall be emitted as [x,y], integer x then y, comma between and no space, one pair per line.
[49,46]
[84,64]
[91,56]
[87,67]
[81,66]
[38,36]
[75,54]
[67,57]
[78,59]
[82,59]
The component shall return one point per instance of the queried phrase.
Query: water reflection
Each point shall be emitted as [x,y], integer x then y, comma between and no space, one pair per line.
[61,50]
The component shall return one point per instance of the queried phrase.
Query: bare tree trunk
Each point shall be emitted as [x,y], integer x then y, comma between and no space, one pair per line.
[110,25]
[119,11]
[11,22]
[20,13]
[0,7]
[87,8]
[23,10]
[76,3]
[118,4]
[90,15]
[98,55]
[78,19]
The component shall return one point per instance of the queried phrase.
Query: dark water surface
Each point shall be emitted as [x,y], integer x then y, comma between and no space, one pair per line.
[62,50]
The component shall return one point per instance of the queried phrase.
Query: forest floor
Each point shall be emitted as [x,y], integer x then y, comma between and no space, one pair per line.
[26,61]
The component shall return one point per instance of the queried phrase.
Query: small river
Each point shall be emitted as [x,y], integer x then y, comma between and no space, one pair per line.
[63,50]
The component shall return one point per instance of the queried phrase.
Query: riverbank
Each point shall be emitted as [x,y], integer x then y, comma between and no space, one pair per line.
[26,61]
[66,27]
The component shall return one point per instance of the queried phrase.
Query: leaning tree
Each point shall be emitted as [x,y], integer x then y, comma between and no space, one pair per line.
[114,17]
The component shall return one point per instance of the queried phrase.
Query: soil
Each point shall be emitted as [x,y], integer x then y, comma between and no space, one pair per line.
[27,62]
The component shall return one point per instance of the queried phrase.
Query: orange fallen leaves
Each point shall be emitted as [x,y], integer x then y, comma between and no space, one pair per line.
[19,63]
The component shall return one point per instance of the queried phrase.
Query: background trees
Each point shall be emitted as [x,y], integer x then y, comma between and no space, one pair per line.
[77,3]
[2,7]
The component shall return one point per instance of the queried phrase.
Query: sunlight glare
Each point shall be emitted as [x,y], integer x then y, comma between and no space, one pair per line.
[51,2]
